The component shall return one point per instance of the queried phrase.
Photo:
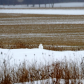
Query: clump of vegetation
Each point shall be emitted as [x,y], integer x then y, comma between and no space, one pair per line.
[70,72]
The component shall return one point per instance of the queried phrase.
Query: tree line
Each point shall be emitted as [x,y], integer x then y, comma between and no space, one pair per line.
[16,2]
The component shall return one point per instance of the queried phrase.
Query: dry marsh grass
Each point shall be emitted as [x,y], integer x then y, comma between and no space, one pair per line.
[70,72]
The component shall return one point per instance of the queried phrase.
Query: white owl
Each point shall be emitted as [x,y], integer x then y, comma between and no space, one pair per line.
[40,46]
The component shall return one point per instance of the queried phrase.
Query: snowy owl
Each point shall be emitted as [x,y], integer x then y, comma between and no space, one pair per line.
[40,46]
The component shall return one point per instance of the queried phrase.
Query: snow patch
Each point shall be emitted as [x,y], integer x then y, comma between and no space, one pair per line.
[45,11]
[39,56]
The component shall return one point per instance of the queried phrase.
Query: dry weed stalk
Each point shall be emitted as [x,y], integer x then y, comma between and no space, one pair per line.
[55,71]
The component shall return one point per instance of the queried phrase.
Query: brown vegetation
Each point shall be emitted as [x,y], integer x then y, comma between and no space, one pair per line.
[68,71]
[16,32]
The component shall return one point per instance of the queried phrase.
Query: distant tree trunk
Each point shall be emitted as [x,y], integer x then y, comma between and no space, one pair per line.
[33,3]
[52,3]
[39,5]
[45,3]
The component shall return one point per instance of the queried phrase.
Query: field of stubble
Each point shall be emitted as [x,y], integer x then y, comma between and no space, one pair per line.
[55,32]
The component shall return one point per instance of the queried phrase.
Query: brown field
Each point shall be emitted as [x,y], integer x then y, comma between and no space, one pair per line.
[55,32]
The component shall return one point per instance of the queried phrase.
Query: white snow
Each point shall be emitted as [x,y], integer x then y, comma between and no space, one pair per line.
[39,56]
[45,11]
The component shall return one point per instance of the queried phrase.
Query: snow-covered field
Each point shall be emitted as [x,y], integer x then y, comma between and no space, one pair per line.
[39,55]
[40,20]
[45,11]
[36,55]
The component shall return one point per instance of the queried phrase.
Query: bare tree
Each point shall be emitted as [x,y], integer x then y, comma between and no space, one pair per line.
[39,3]
[45,3]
